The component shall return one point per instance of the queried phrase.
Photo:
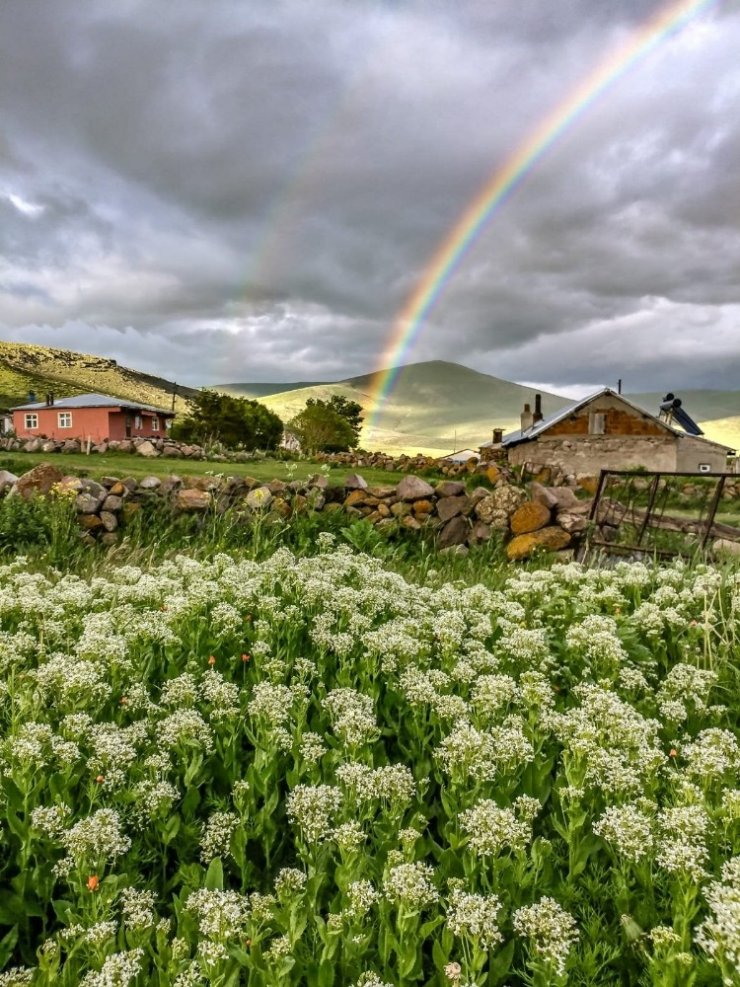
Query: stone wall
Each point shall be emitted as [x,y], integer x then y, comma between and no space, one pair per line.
[150,448]
[456,518]
[694,451]
[588,455]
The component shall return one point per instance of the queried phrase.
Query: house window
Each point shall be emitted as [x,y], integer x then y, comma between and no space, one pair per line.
[32,421]
[705,468]
[64,418]
[597,422]
[137,421]
[155,424]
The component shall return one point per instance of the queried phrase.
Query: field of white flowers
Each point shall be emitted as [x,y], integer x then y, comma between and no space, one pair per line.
[311,771]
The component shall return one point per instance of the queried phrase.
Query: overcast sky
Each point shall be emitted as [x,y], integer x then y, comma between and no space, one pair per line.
[249,190]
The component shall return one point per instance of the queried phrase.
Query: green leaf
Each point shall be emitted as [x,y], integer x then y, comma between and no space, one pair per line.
[215,875]
[7,945]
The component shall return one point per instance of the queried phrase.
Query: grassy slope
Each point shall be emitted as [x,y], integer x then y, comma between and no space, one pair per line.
[25,367]
[433,407]
[261,390]
[717,412]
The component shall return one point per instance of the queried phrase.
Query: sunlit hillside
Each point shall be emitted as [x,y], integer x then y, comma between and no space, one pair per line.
[433,407]
[25,367]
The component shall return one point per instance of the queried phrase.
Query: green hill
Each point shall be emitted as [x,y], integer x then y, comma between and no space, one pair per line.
[434,407]
[260,389]
[26,367]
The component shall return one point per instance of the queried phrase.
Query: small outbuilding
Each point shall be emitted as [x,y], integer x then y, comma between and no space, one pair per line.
[94,417]
[607,431]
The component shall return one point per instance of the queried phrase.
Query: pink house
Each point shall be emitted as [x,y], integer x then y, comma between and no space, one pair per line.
[89,416]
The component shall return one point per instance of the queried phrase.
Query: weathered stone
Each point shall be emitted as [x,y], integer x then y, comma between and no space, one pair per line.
[299,504]
[149,483]
[49,446]
[572,523]
[86,503]
[101,448]
[109,538]
[39,480]
[387,524]
[70,484]
[355,482]
[94,488]
[562,498]
[449,488]
[496,508]
[258,499]
[110,521]
[277,487]
[548,539]
[192,500]
[400,509]
[281,507]
[588,483]
[70,446]
[423,507]
[7,479]
[449,507]
[318,480]
[414,488]
[411,523]
[382,491]
[531,516]
[354,498]
[147,449]
[723,546]
[455,532]
[112,503]
[480,493]
[384,510]
[493,473]
[330,508]
[90,522]
[454,550]
[480,532]
[33,445]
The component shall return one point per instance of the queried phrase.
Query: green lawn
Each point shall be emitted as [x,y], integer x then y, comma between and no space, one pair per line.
[124,464]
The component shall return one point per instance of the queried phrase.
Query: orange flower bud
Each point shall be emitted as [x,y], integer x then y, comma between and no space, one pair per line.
[212,660]
[93,882]
[100,779]
[673,752]
[245,658]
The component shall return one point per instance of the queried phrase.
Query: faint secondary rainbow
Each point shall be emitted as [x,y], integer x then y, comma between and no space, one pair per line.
[451,250]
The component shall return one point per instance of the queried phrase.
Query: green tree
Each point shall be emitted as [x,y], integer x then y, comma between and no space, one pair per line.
[321,428]
[236,422]
[350,410]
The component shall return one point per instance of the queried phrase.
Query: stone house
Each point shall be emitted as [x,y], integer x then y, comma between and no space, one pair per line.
[606,431]
[93,417]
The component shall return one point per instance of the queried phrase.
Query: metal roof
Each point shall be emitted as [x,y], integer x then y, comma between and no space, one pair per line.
[514,438]
[91,401]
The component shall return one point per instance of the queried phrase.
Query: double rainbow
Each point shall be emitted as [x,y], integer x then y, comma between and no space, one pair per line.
[451,250]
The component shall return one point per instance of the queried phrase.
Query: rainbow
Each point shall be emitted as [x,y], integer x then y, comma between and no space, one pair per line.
[506,178]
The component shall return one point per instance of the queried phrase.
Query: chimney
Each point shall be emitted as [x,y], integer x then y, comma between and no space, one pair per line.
[619,386]
[537,417]
[32,397]
[498,434]
[527,418]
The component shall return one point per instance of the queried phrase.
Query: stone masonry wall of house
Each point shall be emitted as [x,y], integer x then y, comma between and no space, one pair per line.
[590,454]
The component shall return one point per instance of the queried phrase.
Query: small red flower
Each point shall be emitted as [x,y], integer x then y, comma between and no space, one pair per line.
[93,882]
[245,658]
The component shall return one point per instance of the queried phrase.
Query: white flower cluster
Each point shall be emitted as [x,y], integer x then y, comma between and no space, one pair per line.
[550,931]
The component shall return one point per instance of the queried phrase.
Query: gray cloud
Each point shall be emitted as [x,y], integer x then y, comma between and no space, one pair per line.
[251,190]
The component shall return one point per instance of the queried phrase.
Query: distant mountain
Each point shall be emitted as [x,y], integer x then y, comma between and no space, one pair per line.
[433,407]
[26,367]
[261,389]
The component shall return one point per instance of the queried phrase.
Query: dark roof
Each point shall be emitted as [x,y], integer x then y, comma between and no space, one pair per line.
[91,401]
[514,438]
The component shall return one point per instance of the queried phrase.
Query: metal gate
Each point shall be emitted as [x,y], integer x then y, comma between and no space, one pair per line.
[663,514]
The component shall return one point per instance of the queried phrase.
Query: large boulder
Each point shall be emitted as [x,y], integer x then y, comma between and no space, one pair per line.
[258,499]
[449,488]
[87,503]
[192,500]
[33,445]
[496,508]
[572,523]
[39,480]
[455,532]
[149,483]
[531,516]
[147,449]
[355,482]
[414,488]
[559,498]
[550,539]
[7,479]
[449,507]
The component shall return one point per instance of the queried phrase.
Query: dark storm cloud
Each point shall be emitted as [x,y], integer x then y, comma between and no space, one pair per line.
[250,190]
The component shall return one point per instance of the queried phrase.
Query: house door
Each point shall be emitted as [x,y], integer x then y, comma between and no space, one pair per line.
[129,423]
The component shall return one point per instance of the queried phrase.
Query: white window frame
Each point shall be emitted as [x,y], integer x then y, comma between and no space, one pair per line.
[30,420]
[155,423]
[705,467]
[64,419]
[137,421]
